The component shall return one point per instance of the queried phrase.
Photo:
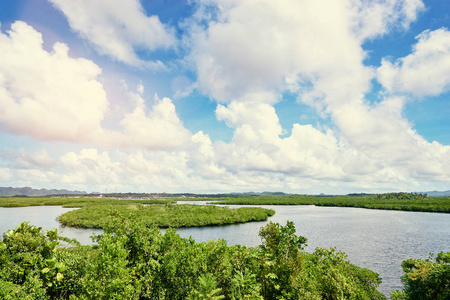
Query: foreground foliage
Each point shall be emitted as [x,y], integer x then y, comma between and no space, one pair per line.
[136,261]
[390,201]
[425,279]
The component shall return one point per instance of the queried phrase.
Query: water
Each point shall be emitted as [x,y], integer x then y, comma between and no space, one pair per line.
[45,217]
[375,239]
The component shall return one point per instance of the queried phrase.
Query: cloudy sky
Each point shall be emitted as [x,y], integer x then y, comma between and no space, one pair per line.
[300,96]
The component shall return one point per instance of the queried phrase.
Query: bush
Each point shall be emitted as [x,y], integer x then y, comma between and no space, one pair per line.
[29,264]
[426,279]
[134,260]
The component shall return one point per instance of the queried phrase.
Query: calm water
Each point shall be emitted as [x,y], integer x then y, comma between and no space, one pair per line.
[45,217]
[375,239]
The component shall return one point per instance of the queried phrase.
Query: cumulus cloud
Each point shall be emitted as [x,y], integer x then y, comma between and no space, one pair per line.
[203,158]
[259,49]
[143,170]
[49,96]
[258,145]
[158,129]
[371,19]
[87,166]
[375,145]
[314,49]
[52,96]
[309,161]
[253,121]
[5,175]
[118,28]
[247,54]
[27,160]
[255,55]
[425,71]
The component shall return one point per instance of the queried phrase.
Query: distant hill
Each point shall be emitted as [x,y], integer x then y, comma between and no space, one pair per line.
[30,192]
[437,193]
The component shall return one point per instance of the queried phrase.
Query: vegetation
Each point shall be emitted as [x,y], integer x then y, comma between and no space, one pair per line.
[391,201]
[425,279]
[402,196]
[165,215]
[388,201]
[132,259]
[136,261]
[95,212]
[75,202]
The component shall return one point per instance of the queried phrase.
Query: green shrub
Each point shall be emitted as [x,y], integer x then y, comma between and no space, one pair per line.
[426,279]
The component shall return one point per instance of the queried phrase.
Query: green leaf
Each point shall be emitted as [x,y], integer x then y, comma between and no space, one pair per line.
[59,276]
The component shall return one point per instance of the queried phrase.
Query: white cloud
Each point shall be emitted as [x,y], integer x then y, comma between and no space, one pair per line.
[34,177]
[255,50]
[51,96]
[48,96]
[371,19]
[143,171]
[388,142]
[309,161]
[257,144]
[252,52]
[27,160]
[425,71]
[203,159]
[118,28]
[253,121]
[5,175]
[158,129]
[88,167]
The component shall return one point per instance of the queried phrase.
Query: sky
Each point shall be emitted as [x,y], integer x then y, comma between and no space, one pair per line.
[208,96]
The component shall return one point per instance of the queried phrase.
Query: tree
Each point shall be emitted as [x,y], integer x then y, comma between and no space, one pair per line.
[426,278]
[29,267]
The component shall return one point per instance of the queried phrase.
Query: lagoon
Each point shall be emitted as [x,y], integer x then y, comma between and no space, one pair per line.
[375,239]
[45,217]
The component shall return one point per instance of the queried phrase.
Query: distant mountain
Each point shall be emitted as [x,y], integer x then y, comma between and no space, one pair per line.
[27,191]
[437,193]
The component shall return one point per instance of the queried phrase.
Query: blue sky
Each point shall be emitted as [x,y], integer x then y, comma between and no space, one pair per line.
[225,96]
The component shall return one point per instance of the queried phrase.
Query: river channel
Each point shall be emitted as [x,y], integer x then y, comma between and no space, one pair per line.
[375,239]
